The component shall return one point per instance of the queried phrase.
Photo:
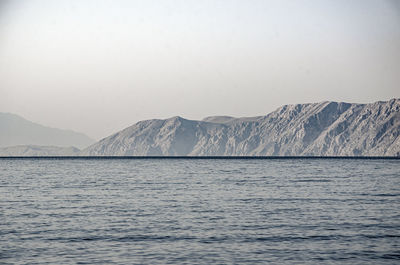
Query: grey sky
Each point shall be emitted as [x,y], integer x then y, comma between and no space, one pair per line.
[99,66]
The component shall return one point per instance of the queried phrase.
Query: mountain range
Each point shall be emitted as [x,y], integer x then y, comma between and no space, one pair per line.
[315,129]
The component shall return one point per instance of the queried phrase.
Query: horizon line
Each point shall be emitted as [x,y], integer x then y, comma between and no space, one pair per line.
[202,157]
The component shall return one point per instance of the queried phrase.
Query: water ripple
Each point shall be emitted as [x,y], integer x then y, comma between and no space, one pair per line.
[199,211]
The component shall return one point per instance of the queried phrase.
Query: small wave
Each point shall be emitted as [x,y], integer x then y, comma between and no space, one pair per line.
[295,238]
[386,194]
[311,180]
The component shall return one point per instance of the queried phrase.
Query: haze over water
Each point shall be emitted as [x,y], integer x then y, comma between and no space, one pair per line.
[207,211]
[100,66]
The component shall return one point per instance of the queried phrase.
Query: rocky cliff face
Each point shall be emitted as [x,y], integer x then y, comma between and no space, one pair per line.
[318,129]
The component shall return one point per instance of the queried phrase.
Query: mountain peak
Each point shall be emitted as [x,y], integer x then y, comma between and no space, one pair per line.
[176,118]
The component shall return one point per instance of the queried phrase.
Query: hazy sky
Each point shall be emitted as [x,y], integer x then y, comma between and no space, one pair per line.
[99,66]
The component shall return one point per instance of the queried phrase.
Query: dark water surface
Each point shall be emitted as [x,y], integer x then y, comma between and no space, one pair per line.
[209,211]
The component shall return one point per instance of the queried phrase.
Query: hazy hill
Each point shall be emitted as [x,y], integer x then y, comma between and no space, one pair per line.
[15,130]
[36,150]
[319,129]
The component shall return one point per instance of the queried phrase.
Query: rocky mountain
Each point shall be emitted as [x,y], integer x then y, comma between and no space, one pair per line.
[317,129]
[36,150]
[15,130]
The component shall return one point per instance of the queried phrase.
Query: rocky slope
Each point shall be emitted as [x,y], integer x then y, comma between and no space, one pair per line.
[15,130]
[318,129]
[36,150]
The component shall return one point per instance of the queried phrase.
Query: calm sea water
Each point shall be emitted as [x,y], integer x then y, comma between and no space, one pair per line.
[188,211]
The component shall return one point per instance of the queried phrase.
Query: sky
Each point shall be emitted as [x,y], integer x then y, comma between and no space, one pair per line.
[99,66]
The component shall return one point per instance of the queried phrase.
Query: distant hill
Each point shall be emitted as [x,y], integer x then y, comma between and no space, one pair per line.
[36,150]
[315,129]
[15,130]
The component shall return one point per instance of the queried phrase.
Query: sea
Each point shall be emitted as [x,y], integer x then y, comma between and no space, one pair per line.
[199,211]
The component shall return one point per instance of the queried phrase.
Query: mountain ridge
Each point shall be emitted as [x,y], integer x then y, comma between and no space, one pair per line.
[326,128]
